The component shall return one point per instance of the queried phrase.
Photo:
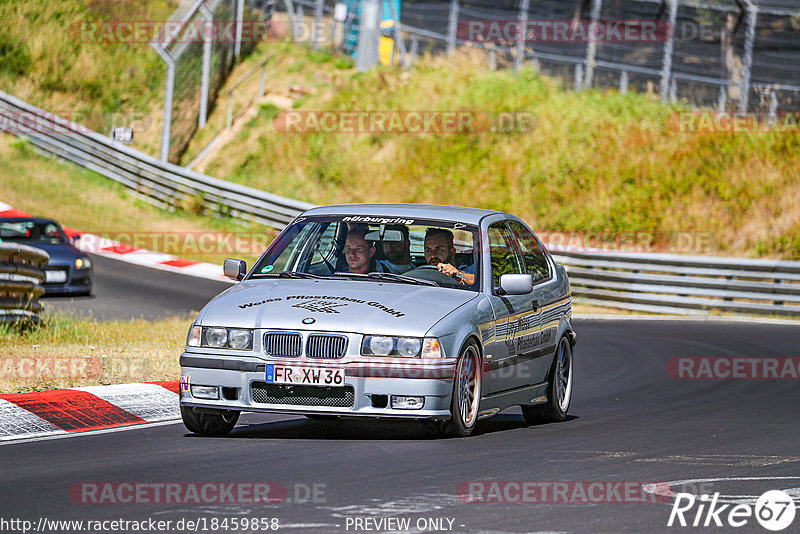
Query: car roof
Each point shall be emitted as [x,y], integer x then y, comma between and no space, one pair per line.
[419,211]
[28,219]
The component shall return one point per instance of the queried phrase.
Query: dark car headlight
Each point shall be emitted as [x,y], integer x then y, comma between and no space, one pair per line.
[216,337]
[83,263]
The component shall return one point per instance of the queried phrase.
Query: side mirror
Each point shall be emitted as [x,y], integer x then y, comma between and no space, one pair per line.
[515,284]
[74,239]
[235,269]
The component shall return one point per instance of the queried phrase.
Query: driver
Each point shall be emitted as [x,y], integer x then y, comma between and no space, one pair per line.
[358,252]
[440,252]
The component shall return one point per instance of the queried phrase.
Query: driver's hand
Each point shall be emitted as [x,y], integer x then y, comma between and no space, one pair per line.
[447,269]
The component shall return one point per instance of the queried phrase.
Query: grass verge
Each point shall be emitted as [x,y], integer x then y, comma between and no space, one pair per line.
[67,351]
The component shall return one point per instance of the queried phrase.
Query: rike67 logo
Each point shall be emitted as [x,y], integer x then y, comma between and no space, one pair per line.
[774,510]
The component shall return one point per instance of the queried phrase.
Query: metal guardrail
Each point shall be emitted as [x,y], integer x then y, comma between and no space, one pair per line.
[162,183]
[688,285]
[659,283]
[21,279]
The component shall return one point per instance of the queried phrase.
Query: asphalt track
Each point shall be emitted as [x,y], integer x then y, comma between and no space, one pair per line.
[630,422]
[127,291]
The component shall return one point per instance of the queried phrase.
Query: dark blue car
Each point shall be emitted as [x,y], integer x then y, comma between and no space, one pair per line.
[69,271]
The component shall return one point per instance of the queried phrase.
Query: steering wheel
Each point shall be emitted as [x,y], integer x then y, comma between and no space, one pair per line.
[431,272]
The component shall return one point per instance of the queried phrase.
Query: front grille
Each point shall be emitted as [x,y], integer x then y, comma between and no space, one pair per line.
[326,346]
[283,344]
[263,393]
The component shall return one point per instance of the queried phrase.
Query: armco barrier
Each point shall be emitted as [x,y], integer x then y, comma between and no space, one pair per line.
[165,184]
[693,285]
[21,279]
[659,283]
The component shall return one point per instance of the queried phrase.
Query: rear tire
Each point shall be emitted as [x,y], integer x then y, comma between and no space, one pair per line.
[466,402]
[559,389]
[208,422]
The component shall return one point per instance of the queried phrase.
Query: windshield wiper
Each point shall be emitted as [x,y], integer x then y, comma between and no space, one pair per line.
[295,274]
[401,278]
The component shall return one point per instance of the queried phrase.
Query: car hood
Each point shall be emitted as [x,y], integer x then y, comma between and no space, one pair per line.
[60,254]
[334,306]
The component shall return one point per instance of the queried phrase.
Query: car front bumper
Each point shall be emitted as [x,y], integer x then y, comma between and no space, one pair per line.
[373,385]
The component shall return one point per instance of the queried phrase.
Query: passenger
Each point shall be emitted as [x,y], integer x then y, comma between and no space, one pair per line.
[359,253]
[397,253]
[440,252]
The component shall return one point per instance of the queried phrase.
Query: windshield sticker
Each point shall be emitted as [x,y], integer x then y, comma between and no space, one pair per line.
[267,269]
[324,303]
[377,220]
[320,306]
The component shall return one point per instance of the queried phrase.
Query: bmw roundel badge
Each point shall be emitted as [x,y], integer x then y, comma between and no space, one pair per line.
[309,320]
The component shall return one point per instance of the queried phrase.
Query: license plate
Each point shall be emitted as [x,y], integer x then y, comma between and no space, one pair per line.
[55,277]
[313,376]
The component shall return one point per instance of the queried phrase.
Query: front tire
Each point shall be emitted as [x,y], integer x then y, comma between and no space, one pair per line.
[208,422]
[559,390]
[466,402]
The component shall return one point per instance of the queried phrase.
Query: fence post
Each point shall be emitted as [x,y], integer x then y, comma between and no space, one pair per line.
[414,48]
[623,82]
[318,23]
[229,120]
[747,61]
[669,48]
[578,76]
[591,49]
[399,42]
[169,90]
[492,59]
[206,75]
[368,35]
[237,46]
[522,18]
[290,12]
[452,26]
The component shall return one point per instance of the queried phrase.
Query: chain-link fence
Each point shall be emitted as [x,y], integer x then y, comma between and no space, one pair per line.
[200,45]
[729,54]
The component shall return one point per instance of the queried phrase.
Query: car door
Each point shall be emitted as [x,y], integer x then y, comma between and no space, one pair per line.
[515,344]
[535,263]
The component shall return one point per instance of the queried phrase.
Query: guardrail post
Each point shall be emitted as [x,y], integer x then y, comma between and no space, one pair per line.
[722,99]
[452,26]
[747,60]
[591,49]
[623,82]
[229,121]
[169,90]
[262,83]
[578,76]
[522,18]
[414,49]
[669,48]
[318,23]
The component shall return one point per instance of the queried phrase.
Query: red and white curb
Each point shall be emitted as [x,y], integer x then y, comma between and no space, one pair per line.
[94,244]
[82,409]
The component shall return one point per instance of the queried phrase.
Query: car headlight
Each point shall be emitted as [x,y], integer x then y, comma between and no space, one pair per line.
[240,339]
[83,263]
[217,337]
[403,347]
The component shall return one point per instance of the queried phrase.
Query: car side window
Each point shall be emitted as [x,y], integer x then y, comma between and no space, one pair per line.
[533,255]
[504,257]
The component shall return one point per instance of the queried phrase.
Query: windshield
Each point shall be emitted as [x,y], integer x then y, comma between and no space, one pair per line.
[392,249]
[39,232]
